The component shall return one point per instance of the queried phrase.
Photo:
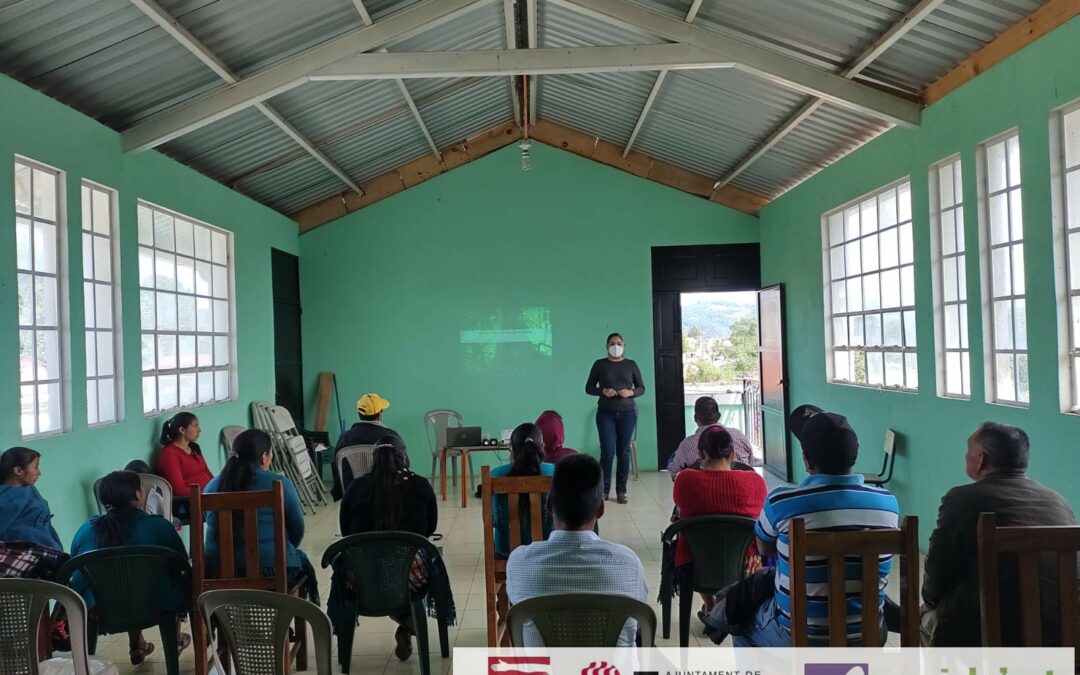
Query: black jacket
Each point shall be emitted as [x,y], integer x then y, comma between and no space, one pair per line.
[951,580]
[361,433]
[419,509]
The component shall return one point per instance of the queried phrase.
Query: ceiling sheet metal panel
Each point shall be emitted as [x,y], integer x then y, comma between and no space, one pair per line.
[482,27]
[249,36]
[707,121]
[472,106]
[276,186]
[102,57]
[559,26]
[325,112]
[605,105]
[290,204]
[233,147]
[379,148]
[381,8]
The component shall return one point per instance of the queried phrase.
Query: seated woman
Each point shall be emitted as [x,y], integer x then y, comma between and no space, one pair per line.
[526,459]
[713,489]
[248,470]
[180,461]
[24,513]
[551,427]
[126,523]
[391,497]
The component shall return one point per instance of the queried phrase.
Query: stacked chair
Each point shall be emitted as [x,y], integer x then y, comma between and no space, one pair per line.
[291,452]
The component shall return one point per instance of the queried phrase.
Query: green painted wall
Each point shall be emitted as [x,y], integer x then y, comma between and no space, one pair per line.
[1020,92]
[386,290]
[42,129]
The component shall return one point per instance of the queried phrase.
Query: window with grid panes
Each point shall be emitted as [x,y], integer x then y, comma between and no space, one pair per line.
[1003,231]
[1070,313]
[950,283]
[185,280]
[38,241]
[870,279]
[101,279]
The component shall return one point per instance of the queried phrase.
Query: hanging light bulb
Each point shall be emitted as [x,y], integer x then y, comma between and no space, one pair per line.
[525,161]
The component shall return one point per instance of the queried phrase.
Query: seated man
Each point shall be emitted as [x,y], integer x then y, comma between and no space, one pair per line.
[830,497]
[707,414]
[574,559]
[996,460]
[365,432]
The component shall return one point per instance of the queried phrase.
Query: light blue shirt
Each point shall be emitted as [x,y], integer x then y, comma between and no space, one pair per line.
[575,562]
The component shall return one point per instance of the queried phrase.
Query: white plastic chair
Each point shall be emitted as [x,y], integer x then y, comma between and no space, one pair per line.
[360,459]
[290,452]
[436,422]
[229,434]
[22,604]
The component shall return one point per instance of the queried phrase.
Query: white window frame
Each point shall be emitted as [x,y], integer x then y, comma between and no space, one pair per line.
[222,342]
[62,380]
[1066,217]
[906,309]
[947,211]
[987,249]
[92,278]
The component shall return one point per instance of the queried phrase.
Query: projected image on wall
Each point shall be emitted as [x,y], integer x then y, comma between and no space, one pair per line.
[506,341]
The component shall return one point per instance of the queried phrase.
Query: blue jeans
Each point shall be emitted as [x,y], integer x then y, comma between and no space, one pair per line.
[765,631]
[616,429]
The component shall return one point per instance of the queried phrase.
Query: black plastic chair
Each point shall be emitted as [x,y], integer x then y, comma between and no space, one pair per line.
[373,571]
[718,545]
[127,585]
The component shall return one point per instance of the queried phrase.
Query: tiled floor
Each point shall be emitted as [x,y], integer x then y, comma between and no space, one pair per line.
[637,525]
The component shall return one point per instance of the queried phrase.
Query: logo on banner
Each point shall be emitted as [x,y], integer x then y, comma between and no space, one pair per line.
[519,665]
[601,668]
[837,669]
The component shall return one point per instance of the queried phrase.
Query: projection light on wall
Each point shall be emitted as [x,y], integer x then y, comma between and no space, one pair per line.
[507,341]
[526,163]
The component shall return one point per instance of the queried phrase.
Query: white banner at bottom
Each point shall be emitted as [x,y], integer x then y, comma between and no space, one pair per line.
[723,661]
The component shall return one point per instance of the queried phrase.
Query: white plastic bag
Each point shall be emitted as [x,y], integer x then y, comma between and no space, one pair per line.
[67,667]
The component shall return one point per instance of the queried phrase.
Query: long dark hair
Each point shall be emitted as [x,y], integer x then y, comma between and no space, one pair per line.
[247,450]
[15,458]
[386,475]
[170,431]
[526,450]
[715,442]
[117,493]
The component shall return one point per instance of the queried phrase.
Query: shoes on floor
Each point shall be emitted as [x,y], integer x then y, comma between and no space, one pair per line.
[403,637]
[139,652]
[607,497]
[622,498]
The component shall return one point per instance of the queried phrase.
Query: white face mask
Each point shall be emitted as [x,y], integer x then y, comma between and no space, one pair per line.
[616,351]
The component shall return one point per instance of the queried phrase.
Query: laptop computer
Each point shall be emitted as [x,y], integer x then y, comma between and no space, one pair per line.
[462,437]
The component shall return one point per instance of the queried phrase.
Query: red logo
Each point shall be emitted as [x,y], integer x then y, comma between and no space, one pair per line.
[600,668]
[519,665]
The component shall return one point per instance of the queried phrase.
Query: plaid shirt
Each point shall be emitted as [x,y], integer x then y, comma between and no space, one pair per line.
[26,560]
[687,452]
[574,562]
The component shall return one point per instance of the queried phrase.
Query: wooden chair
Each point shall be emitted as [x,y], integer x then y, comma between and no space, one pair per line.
[1030,544]
[867,545]
[534,487]
[225,505]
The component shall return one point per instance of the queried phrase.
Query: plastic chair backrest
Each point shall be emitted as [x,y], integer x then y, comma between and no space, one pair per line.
[581,619]
[150,482]
[281,418]
[22,603]
[438,421]
[97,495]
[127,583]
[360,458]
[229,434]
[376,567]
[718,544]
[256,626]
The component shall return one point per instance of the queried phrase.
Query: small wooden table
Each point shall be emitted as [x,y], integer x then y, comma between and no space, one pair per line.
[464,467]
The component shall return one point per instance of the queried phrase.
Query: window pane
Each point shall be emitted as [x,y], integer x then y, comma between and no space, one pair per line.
[89,298]
[221,282]
[868,216]
[102,259]
[146,268]
[948,232]
[146,310]
[858,367]
[206,351]
[1071,123]
[206,387]
[1072,197]
[894,370]
[166,311]
[45,310]
[906,249]
[907,285]
[91,353]
[840,328]
[836,228]
[887,208]
[187,351]
[50,404]
[1006,383]
[91,402]
[911,371]
[185,237]
[910,336]
[961,277]
[146,226]
[202,278]
[871,292]
[870,254]
[841,369]
[221,351]
[853,258]
[945,186]
[1018,269]
[27,409]
[204,315]
[165,271]
[890,289]
[221,385]
[26,300]
[890,248]
[185,275]
[166,351]
[839,297]
[1020,324]
[167,394]
[999,219]
[892,335]
[1076,322]
[88,256]
[873,330]
[188,391]
[149,361]
[26,356]
[164,231]
[1001,268]
[953,375]
[22,189]
[1014,160]
[857,337]
[102,212]
[106,400]
[948,280]
[836,262]
[44,196]
[963,326]
[219,248]
[854,295]
[202,243]
[951,314]
[23,250]
[185,313]
[903,203]
[48,354]
[105,353]
[1003,325]
[995,167]
[149,393]
[875,368]
[1074,259]
[45,248]
[1023,390]
[1016,215]
[960,239]
[103,299]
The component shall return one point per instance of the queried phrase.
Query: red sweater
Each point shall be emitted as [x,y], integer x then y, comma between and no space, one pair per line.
[703,493]
[182,469]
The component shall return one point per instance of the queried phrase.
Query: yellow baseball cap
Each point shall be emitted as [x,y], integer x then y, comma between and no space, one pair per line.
[371,404]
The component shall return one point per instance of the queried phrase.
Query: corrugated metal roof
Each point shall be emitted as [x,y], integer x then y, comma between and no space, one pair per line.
[106,58]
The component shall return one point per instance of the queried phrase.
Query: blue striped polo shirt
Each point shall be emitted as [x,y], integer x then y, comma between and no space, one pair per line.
[826,503]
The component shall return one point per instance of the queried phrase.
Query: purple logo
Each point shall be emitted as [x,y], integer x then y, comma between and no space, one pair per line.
[837,669]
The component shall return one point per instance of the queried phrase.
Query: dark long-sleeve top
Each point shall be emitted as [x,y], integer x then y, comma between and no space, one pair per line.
[419,509]
[608,374]
[951,579]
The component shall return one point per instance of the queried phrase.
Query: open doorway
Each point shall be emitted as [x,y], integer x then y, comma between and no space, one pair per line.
[720,359]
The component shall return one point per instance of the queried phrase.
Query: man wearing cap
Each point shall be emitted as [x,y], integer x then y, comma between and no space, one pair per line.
[367,431]
[831,497]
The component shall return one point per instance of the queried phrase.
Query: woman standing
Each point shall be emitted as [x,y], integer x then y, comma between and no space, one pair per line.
[617,381]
